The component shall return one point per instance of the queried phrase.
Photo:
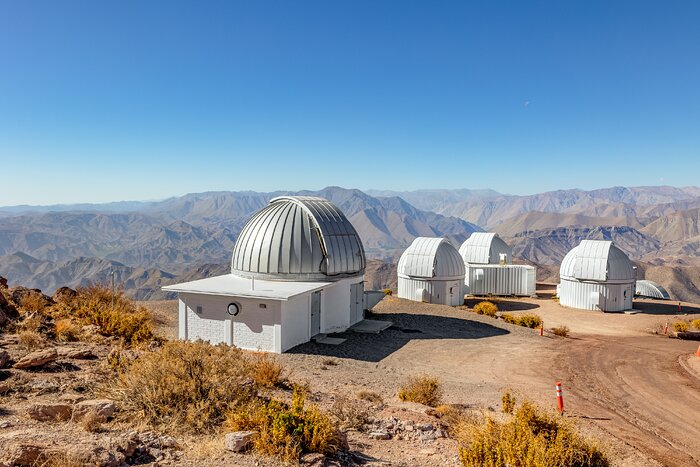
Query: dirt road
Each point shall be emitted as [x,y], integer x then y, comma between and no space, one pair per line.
[636,389]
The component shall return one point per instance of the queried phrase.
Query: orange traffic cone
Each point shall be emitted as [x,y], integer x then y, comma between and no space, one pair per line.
[698,352]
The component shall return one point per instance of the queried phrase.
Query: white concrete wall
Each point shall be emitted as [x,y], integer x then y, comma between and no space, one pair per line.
[255,328]
[296,321]
[335,305]
[442,292]
[584,295]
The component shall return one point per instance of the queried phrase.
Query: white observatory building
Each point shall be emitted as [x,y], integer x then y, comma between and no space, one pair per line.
[297,271]
[431,270]
[489,269]
[597,275]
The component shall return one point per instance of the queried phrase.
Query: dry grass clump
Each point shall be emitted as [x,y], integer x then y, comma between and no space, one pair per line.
[528,320]
[530,438]
[561,331]
[349,413]
[370,396]
[680,326]
[93,305]
[486,308]
[286,431]
[33,301]
[185,386]
[91,422]
[31,340]
[695,323]
[507,402]
[266,370]
[424,390]
[67,330]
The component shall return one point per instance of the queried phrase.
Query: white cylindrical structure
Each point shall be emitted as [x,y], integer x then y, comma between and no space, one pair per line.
[596,275]
[431,270]
[494,279]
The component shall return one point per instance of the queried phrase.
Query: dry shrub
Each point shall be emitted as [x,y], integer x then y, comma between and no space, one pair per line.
[561,331]
[370,396]
[451,416]
[349,413]
[507,402]
[387,292]
[266,370]
[93,305]
[91,422]
[528,320]
[680,326]
[286,431]
[33,301]
[31,340]
[67,330]
[486,308]
[184,386]
[63,459]
[695,323]
[529,438]
[425,390]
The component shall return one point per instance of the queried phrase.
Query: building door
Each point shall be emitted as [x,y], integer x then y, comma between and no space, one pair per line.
[356,305]
[315,313]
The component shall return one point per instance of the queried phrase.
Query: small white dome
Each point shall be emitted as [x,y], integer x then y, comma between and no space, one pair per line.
[597,260]
[431,258]
[485,248]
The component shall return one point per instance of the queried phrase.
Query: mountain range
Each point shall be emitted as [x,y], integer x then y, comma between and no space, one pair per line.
[152,243]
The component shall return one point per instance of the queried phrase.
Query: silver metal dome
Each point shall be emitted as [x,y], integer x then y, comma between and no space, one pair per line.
[298,238]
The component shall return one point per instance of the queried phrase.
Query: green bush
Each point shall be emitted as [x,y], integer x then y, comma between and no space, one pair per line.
[530,438]
[486,308]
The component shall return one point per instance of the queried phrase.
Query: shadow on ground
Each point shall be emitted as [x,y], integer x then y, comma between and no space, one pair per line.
[406,327]
[655,307]
[503,304]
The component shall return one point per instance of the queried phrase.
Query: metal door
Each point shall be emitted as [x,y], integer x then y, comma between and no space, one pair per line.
[356,306]
[315,313]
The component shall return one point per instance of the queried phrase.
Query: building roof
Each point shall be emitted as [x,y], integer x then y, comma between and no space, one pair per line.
[484,248]
[298,238]
[230,285]
[647,288]
[431,258]
[597,260]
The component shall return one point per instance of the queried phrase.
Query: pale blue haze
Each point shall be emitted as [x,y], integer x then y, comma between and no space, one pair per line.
[124,100]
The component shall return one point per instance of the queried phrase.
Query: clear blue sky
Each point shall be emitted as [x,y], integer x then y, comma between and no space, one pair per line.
[120,100]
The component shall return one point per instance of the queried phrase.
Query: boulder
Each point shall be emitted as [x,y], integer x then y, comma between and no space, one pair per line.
[4,358]
[7,311]
[77,354]
[380,435]
[238,440]
[64,294]
[49,412]
[102,408]
[22,453]
[37,359]
[3,283]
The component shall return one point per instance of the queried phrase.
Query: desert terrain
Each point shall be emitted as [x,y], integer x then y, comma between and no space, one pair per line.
[625,384]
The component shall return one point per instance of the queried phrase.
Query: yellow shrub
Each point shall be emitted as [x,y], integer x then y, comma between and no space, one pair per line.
[680,326]
[696,323]
[93,305]
[530,438]
[561,331]
[528,320]
[486,308]
[425,390]
[33,301]
[266,370]
[184,386]
[67,330]
[286,431]
[507,402]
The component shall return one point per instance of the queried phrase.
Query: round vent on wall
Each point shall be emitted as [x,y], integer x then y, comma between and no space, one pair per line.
[233,309]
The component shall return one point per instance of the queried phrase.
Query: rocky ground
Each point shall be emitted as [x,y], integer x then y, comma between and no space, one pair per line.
[54,410]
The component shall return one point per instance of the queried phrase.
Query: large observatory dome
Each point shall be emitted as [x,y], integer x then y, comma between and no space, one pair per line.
[298,238]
